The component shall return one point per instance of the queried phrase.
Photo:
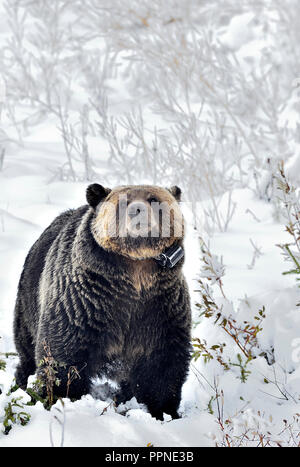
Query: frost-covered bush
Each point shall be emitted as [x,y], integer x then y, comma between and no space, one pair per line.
[255,342]
[235,324]
[255,429]
[211,96]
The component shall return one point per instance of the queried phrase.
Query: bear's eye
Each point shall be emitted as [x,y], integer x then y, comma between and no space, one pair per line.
[152,199]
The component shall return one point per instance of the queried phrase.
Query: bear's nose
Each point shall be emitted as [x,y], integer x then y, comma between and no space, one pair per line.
[135,208]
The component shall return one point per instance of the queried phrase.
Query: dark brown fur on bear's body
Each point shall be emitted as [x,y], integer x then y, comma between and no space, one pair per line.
[92,309]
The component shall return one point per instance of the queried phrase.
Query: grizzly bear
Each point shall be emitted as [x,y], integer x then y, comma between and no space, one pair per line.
[102,291]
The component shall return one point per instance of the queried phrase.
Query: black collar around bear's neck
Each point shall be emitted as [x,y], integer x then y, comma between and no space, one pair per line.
[170,257]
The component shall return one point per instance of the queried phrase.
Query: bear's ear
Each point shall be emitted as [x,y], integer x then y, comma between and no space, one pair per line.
[95,193]
[176,192]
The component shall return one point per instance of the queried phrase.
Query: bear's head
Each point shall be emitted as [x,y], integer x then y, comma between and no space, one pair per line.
[138,222]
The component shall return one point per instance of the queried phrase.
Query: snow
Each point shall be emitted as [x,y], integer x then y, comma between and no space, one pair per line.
[239,31]
[35,186]
[29,213]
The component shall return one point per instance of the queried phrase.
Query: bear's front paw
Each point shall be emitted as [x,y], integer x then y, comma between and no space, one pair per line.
[159,414]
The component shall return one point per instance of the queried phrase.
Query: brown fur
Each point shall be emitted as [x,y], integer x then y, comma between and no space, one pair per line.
[103,308]
[105,220]
[142,273]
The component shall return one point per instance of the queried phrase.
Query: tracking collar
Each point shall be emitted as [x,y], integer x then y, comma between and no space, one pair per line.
[170,257]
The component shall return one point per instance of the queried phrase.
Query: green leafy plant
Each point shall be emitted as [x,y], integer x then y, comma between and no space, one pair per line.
[6,355]
[244,333]
[49,368]
[2,365]
[215,351]
[242,365]
[2,362]
[288,198]
[13,414]
[43,388]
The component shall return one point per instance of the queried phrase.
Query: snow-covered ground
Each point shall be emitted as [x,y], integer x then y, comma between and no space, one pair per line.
[217,406]
[29,202]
